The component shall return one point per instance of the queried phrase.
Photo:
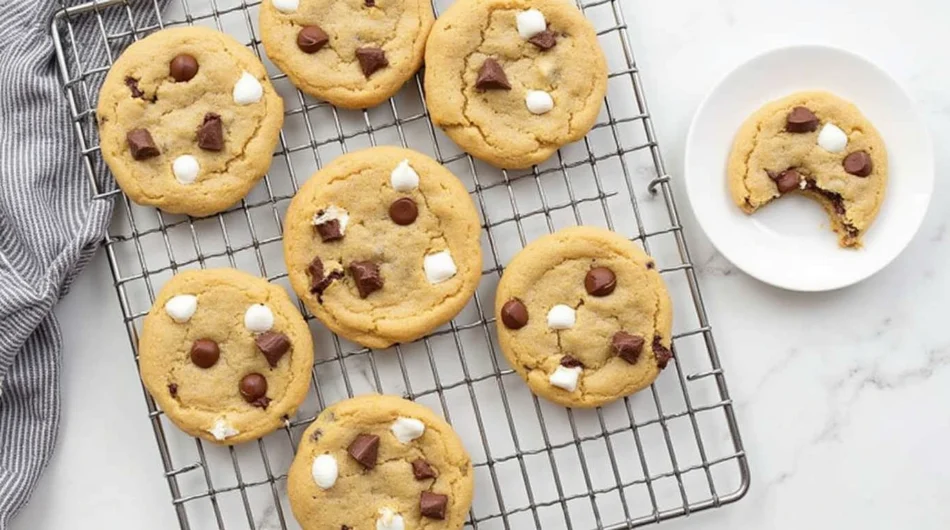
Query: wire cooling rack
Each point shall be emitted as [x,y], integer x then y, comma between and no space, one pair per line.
[671,450]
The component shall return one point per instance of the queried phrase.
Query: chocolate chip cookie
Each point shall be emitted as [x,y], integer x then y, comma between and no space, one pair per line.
[352,53]
[584,317]
[382,245]
[511,81]
[226,355]
[380,462]
[188,121]
[818,145]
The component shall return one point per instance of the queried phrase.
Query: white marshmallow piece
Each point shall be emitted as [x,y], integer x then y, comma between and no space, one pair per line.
[325,471]
[222,430]
[407,429]
[832,138]
[181,307]
[538,101]
[530,23]
[561,317]
[247,90]
[439,267]
[186,169]
[565,378]
[258,318]
[286,6]
[331,213]
[404,178]
[389,520]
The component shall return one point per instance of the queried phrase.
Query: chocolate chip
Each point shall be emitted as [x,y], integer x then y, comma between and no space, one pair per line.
[627,346]
[544,40]
[211,133]
[371,60]
[858,164]
[261,402]
[370,3]
[801,120]
[253,387]
[367,278]
[183,67]
[600,281]
[364,450]
[141,144]
[651,265]
[432,505]
[133,85]
[492,76]
[422,470]
[514,314]
[173,389]
[661,352]
[403,211]
[787,180]
[273,345]
[311,38]
[571,362]
[329,230]
[205,353]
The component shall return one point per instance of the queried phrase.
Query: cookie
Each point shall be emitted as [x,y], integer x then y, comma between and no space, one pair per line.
[511,81]
[817,145]
[188,121]
[380,462]
[584,317]
[382,245]
[226,355]
[351,53]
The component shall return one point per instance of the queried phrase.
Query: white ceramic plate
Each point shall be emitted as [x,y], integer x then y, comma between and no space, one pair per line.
[789,243]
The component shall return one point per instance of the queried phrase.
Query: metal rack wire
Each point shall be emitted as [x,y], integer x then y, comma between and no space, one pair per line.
[666,452]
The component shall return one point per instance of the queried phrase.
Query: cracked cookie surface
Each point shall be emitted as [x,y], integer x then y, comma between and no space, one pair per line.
[325,63]
[509,127]
[772,142]
[407,469]
[584,317]
[198,356]
[382,245]
[181,166]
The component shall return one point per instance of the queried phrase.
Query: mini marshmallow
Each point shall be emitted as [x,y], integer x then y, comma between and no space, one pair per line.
[186,169]
[222,430]
[832,139]
[325,471]
[561,317]
[404,178]
[439,267]
[389,520]
[565,378]
[258,318]
[181,307]
[530,23]
[247,90]
[286,6]
[538,101]
[407,429]
[329,214]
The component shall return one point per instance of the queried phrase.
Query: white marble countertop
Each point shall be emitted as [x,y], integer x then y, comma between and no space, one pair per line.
[842,397]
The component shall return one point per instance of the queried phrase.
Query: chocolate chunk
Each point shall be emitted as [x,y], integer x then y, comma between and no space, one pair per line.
[325,282]
[273,345]
[371,59]
[801,120]
[403,211]
[422,470]
[432,505]
[261,402]
[514,314]
[627,346]
[364,450]
[661,352]
[544,40]
[787,180]
[205,353]
[253,387]
[329,230]
[141,144]
[316,271]
[367,278]
[600,281]
[370,3]
[571,362]
[858,164]
[133,85]
[491,76]
[183,67]
[311,38]
[173,389]
[211,133]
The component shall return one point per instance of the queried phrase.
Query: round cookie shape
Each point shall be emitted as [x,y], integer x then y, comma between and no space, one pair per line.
[380,462]
[211,374]
[818,145]
[576,346]
[352,53]
[188,121]
[370,271]
[507,90]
